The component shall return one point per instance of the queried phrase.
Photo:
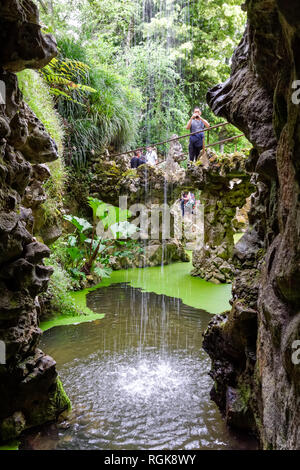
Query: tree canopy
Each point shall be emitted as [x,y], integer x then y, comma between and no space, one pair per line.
[148,64]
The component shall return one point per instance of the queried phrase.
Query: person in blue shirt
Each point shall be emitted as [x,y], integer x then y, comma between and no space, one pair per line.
[195,124]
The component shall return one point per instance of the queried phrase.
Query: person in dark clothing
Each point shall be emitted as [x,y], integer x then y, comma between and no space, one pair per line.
[195,124]
[183,201]
[136,161]
[142,160]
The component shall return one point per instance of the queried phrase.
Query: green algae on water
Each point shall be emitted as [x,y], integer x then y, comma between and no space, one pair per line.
[173,280]
[70,320]
[79,299]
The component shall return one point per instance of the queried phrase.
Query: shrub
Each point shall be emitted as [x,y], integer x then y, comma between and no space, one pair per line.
[37,95]
[57,297]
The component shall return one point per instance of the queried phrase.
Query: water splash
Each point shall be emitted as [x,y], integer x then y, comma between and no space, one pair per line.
[148,379]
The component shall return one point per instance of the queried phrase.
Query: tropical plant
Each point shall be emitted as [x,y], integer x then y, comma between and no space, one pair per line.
[151,62]
[99,107]
[90,243]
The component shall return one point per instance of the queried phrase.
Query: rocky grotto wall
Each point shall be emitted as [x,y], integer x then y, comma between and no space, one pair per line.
[30,390]
[257,383]
[225,186]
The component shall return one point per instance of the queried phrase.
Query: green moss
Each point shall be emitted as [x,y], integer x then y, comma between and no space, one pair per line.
[62,400]
[14,445]
[57,403]
[37,96]
[258,423]
[108,169]
[130,173]
[12,426]
[173,280]
[260,253]
[244,395]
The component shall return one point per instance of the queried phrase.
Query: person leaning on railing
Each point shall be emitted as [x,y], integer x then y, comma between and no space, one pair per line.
[195,124]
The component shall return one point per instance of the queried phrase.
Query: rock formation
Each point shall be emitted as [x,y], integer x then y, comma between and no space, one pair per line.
[225,185]
[174,173]
[151,187]
[256,373]
[164,184]
[30,391]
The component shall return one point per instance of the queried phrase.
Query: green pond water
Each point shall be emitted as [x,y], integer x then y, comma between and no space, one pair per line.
[137,378]
[173,280]
[134,367]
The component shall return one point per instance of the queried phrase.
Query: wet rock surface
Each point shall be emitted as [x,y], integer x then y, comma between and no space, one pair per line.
[256,378]
[30,391]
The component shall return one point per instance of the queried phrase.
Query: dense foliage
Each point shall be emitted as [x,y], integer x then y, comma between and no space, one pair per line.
[131,71]
[89,248]
[37,96]
[128,73]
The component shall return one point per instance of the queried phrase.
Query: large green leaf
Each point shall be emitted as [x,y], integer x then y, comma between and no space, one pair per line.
[81,224]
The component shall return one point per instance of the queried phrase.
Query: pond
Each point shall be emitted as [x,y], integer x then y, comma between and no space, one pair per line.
[137,379]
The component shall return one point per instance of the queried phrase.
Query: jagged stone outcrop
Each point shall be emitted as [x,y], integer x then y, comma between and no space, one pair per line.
[20,32]
[257,381]
[30,391]
[225,185]
[114,177]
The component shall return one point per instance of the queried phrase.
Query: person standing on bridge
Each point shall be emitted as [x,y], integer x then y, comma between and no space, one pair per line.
[151,156]
[195,124]
[138,159]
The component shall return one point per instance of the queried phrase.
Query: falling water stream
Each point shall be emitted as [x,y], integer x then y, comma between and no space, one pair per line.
[137,379]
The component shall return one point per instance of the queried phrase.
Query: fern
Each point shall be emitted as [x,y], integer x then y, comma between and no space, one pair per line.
[99,107]
[63,76]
